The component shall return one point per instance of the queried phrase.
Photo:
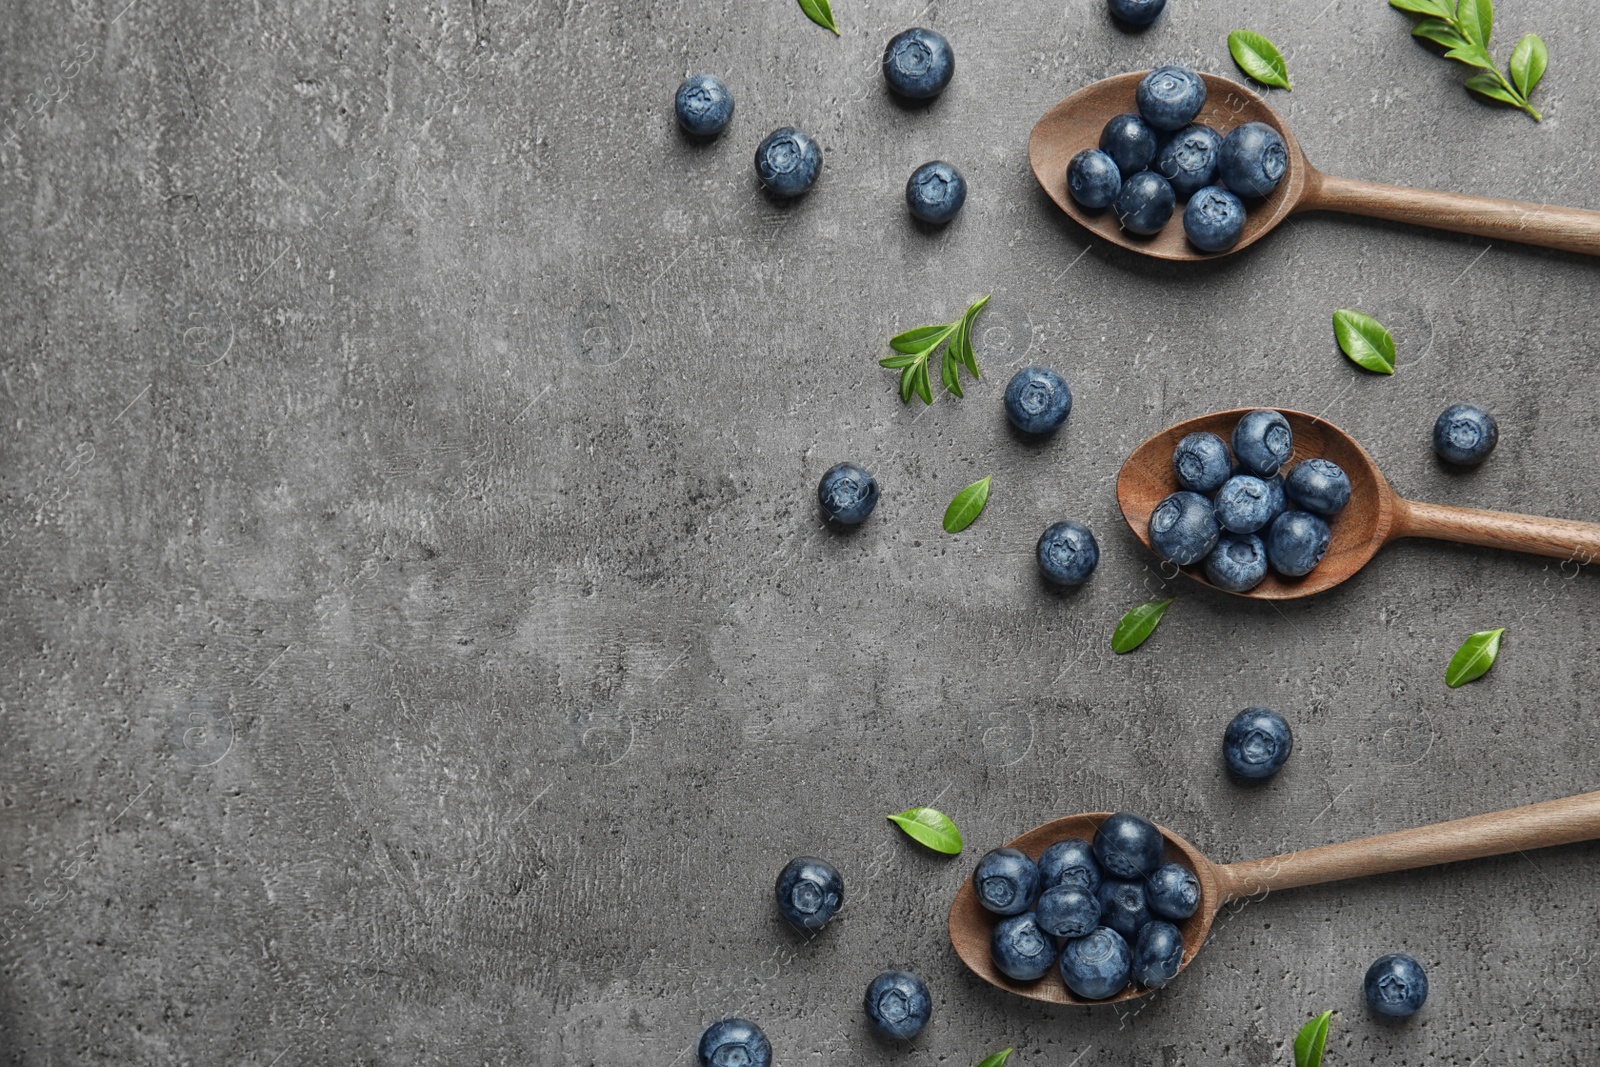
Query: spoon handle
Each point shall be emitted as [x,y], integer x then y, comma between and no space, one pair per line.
[1559,538]
[1567,228]
[1553,822]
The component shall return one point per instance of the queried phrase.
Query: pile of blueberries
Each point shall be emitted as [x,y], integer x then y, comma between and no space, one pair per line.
[1101,914]
[917,65]
[1219,515]
[1149,161]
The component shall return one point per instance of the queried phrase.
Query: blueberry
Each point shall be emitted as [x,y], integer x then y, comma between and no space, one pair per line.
[734,1043]
[847,493]
[1214,219]
[1129,142]
[1145,204]
[1183,528]
[1280,502]
[1244,504]
[1067,911]
[1070,862]
[1170,97]
[1296,543]
[1097,965]
[788,161]
[1123,906]
[1319,486]
[1253,159]
[1093,179]
[1038,400]
[935,192]
[1263,441]
[1157,954]
[1020,949]
[1202,462]
[1068,553]
[1396,986]
[704,105]
[1128,846]
[1238,563]
[1189,159]
[1007,881]
[1465,435]
[1136,12]
[898,1005]
[918,63]
[1257,744]
[810,892]
[1172,891]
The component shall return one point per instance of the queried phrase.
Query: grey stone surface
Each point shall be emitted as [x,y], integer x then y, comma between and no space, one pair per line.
[420,644]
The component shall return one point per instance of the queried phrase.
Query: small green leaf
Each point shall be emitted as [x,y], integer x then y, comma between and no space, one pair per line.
[930,827]
[1259,58]
[1528,62]
[1434,8]
[1364,340]
[1476,19]
[967,506]
[922,339]
[924,389]
[1137,625]
[1485,84]
[969,320]
[1309,1044]
[896,362]
[819,12]
[950,372]
[1472,55]
[1474,658]
[997,1060]
[1439,33]
[908,382]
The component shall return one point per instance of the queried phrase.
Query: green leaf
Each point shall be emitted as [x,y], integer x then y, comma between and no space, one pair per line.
[969,319]
[967,506]
[997,1060]
[1424,7]
[930,827]
[924,389]
[819,12]
[896,362]
[950,372]
[922,339]
[908,381]
[1439,33]
[1364,340]
[1485,84]
[1476,19]
[1259,58]
[1137,625]
[1472,55]
[1474,658]
[1309,1044]
[1528,62]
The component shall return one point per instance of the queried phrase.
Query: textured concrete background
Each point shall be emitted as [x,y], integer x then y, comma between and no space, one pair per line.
[421,646]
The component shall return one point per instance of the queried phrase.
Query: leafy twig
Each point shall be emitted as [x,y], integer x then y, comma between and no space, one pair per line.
[1464,33]
[915,346]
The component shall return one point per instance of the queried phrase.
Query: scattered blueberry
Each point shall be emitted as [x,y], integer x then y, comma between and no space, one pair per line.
[1021,949]
[1238,563]
[1145,203]
[847,493]
[898,1005]
[734,1043]
[1465,435]
[1202,462]
[1296,543]
[1070,862]
[1319,486]
[1172,891]
[1157,954]
[1263,441]
[918,63]
[1183,528]
[1244,504]
[1128,846]
[1067,911]
[1280,501]
[1136,12]
[1189,159]
[1214,219]
[1038,400]
[1396,986]
[704,105]
[1129,142]
[935,192]
[1256,744]
[788,161]
[810,892]
[1253,159]
[1093,179]
[1068,553]
[1098,965]
[1123,906]
[1007,881]
[1170,97]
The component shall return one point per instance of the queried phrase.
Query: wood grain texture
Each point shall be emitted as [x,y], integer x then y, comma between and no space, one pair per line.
[1557,538]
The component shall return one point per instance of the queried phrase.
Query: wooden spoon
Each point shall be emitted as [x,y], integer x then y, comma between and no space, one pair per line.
[1375,515]
[1553,822]
[1076,122]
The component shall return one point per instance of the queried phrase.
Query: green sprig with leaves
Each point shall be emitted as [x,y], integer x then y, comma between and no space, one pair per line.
[1464,33]
[914,348]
